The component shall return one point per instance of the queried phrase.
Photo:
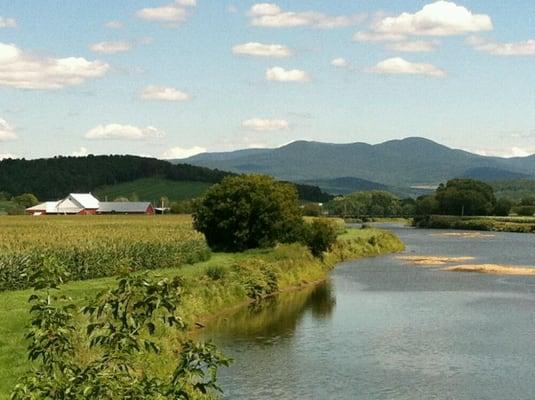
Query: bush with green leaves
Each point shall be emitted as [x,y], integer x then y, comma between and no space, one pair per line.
[26,200]
[121,327]
[525,211]
[257,277]
[249,211]
[320,236]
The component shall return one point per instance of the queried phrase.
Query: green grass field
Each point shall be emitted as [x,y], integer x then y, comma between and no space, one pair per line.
[205,293]
[152,189]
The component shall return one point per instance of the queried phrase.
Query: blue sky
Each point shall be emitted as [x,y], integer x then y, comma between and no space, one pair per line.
[171,78]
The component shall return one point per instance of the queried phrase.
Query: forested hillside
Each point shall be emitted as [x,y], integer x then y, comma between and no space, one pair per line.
[116,176]
[55,177]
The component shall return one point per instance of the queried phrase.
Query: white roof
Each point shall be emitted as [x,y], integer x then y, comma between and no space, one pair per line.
[86,200]
[47,206]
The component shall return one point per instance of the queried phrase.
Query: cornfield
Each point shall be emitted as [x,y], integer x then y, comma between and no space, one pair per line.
[95,246]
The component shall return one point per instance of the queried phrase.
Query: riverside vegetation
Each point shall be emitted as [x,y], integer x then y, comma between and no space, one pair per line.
[120,343]
[209,287]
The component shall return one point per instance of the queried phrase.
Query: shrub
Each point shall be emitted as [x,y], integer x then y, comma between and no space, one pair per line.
[525,211]
[258,279]
[312,210]
[122,326]
[319,236]
[246,212]
[503,207]
[26,200]
[216,272]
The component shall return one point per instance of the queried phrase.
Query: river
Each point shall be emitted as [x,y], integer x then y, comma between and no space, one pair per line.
[381,328]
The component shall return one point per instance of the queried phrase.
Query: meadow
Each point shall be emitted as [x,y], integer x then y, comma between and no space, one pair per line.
[212,283]
[152,189]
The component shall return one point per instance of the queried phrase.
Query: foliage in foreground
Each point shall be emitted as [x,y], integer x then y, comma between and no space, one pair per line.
[122,323]
[246,212]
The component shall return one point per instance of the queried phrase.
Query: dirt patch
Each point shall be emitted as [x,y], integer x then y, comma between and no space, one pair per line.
[467,235]
[492,269]
[433,260]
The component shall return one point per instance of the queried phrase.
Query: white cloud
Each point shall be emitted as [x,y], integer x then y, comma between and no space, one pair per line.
[181,152]
[262,50]
[525,48]
[22,70]
[111,47]
[416,46]
[339,62]
[7,22]
[163,93]
[4,156]
[279,74]
[270,15]
[174,13]
[441,18]
[81,152]
[377,37]
[265,125]
[505,152]
[123,132]
[7,132]
[398,65]
[114,24]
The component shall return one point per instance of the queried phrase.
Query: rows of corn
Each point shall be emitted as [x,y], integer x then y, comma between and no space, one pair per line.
[95,246]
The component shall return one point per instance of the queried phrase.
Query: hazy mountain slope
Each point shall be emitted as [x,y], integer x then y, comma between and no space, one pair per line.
[348,184]
[411,161]
[489,174]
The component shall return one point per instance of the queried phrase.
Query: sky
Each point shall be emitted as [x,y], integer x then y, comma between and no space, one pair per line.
[172,78]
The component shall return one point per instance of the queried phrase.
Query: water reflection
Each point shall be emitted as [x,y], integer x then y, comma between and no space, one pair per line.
[276,316]
[385,330]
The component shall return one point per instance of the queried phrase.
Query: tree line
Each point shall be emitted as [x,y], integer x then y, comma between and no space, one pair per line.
[54,178]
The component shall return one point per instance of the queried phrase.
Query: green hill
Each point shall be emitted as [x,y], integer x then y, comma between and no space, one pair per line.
[54,178]
[152,189]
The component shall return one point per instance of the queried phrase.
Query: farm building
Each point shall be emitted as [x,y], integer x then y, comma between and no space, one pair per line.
[87,204]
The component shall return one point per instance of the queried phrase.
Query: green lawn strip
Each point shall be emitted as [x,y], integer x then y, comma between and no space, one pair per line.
[203,295]
[495,224]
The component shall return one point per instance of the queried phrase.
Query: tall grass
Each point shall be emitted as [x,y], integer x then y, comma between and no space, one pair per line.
[95,246]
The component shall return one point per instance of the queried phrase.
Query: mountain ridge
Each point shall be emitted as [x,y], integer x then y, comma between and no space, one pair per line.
[404,162]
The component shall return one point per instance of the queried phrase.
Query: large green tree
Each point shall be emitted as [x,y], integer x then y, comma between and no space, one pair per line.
[249,211]
[465,197]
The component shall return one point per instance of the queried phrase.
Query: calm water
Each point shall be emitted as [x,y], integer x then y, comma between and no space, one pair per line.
[382,329]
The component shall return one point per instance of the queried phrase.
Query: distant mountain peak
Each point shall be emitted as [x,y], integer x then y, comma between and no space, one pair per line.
[400,162]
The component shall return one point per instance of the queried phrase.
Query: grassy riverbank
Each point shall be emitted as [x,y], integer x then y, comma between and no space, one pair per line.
[495,224]
[210,287]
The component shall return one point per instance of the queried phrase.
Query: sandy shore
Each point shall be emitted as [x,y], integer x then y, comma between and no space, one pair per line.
[492,269]
[433,260]
[467,235]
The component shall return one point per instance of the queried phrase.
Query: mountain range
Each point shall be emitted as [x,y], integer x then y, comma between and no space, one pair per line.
[407,163]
